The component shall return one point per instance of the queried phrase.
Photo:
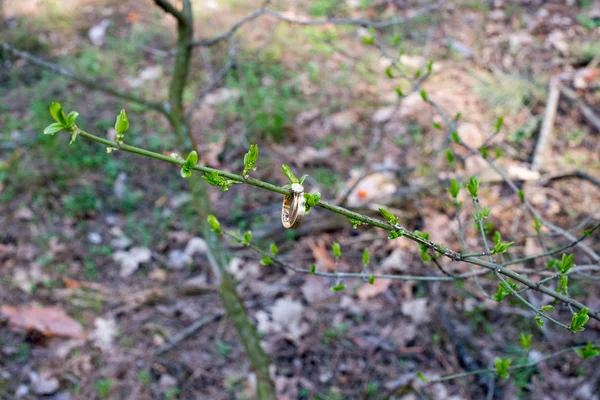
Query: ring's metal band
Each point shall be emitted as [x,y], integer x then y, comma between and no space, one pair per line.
[293,210]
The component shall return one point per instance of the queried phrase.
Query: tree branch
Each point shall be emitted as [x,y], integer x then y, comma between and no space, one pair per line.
[334,21]
[90,83]
[171,9]
[443,250]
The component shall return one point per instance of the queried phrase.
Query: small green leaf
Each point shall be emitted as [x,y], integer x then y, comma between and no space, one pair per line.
[391,218]
[525,341]
[450,156]
[338,288]
[473,186]
[247,238]
[484,152]
[71,119]
[436,125]
[521,194]
[302,178]
[563,284]
[578,320]
[566,263]
[337,250]
[547,308]
[190,161]
[429,66]
[538,321]
[372,279]
[274,249]
[58,114]
[250,159]
[122,125]
[313,269]
[418,73]
[388,72]
[366,258]
[313,199]
[457,116]
[53,128]
[588,351]
[399,92]
[454,188]
[421,376]
[502,367]
[455,138]
[424,95]
[368,39]
[499,123]
[266,260]
[74,134]
[537,225]
[214,224]
[395,234]
[355,223]
[288,172]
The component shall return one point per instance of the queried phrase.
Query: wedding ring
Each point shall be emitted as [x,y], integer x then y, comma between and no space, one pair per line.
[294,207]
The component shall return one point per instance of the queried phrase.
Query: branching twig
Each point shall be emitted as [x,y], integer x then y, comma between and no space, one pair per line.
[171,9]
[90,83]
[334,21]
[401,231]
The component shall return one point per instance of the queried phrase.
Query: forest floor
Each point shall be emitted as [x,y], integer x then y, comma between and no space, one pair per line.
[101,263]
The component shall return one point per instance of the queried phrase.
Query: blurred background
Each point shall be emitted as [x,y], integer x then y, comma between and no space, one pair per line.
[100,256]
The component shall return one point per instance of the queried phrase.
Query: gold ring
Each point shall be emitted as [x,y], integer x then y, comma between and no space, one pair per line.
[294,207]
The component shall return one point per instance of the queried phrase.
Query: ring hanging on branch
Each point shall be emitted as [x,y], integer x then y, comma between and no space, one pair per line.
[294,207]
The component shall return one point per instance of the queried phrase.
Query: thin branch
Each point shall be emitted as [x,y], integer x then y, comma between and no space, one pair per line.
[511,368]
[171,9]
[212,84]
[90,83]
[443,250]
[334,21]
[187,332]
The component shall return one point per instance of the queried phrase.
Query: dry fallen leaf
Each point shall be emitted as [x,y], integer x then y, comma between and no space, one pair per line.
[131,260]
[50,321]
[322,257]
[368,291]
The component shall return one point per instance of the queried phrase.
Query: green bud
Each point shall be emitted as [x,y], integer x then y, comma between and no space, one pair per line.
[274,249]
[502,367]
[337,250]
[473,186]
[122,125]
[391,218]
[214,224]
[250,159]
[288,172]
[366,257]
[338,287]
[454,188]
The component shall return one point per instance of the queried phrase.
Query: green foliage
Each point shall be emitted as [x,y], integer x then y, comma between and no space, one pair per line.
[214,179]
[578,320]
[223,348]
[473,186]
[122,125]
[499,123]
[190,161]
[274,249]
[287,171]
[371,279]
[266,260]
[250,159]
[504,290]
[588,351]
[103,387]
[312,269]
[337,250]
[521,194]
[538,320]
[388,72]
[450,156]
[339,287]
[366,258]
[563,284]
[311,200]
[455,137]
[565,264]
[537,225]
[547,307]
[399,92]
[355,222]
[502,367]
[423,94]
[421,376]
[395,234]
[214,223]
[323,8]
[63,122]
[454,188]
[525,340]
[391,218]
[144,377]
[244,239]
[499,246]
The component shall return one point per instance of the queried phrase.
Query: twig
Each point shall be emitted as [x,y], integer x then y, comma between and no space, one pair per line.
[443,250]
[587,112]
[334,21]
[570,174]
[187,332]
[92,84]
[212,84]
[541,148]
[511,368]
